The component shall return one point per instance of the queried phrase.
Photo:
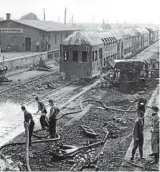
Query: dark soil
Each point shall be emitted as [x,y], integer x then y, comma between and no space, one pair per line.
[116,147]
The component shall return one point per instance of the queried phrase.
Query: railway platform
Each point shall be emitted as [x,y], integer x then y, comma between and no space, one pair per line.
[154,101]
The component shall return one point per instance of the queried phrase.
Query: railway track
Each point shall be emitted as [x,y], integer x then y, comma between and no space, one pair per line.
[23,91]
[14,84]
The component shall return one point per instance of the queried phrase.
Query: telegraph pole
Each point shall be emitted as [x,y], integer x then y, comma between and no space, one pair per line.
[65,15]
[44,15]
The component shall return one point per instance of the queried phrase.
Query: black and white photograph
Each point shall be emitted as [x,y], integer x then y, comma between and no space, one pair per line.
[79,85]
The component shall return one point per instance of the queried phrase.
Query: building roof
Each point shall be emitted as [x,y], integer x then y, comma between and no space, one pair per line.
[83,38]
[47,26]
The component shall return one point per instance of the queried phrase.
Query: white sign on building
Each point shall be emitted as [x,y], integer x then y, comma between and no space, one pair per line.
[11,30]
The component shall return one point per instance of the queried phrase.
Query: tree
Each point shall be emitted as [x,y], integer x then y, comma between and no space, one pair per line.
[29,16]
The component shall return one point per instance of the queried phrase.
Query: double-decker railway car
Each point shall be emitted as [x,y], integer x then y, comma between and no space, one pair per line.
[144,37]
[153,34]
[110,47]
[84,54]
[127,43]
[138,47]
[81,56]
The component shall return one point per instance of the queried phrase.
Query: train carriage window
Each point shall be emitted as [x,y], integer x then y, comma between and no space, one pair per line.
[84,56]
[92,55]
[100,53]
[96,55]
[55,37]
[61,37]
[66,55]
[75,56]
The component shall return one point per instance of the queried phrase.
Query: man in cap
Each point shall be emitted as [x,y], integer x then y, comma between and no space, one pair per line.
[28,120]
[42,109]
[155,136]
[138,135]
[52,119]
[141,104]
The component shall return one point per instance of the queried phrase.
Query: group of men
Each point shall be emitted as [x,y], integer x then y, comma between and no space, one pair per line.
[50,123]
[46,122]
[138,132]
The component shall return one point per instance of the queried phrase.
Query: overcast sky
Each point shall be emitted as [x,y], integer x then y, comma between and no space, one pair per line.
[86,10]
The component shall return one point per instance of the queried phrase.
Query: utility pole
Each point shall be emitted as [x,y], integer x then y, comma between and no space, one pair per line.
[44,15]
[103,23]
[72,19]
[58,18]
[65,15]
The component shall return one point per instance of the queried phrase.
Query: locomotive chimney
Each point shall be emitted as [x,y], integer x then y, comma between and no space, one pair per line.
[8,16]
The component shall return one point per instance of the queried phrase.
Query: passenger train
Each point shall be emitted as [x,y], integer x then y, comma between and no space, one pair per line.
[84,54]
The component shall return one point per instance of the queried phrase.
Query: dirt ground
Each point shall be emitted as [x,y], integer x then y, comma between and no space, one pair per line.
[42,156]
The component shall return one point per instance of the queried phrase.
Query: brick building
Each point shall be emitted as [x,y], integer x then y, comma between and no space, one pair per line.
[32,35]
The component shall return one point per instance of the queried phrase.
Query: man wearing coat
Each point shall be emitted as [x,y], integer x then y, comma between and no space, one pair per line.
[28,120]
[52,119]
[138,135]
[43,118]
[155,137]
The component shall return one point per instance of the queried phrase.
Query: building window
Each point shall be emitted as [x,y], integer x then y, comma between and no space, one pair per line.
[55,38]
[75,56]
[92,55]
[66,55]
[84,56]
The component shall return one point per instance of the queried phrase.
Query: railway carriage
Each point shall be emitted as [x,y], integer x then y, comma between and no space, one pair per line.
[128,39]
[84,54]
[109,49]
[129,74]
[81,56]
[144,37]
[153,34]
[138,47]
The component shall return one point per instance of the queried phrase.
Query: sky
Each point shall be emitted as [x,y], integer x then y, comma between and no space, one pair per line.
[112,11]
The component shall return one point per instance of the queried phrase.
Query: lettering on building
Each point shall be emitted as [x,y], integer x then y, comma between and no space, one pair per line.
[11,30]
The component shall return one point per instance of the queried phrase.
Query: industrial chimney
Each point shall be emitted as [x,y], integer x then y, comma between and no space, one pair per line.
[65,15]
[8,16]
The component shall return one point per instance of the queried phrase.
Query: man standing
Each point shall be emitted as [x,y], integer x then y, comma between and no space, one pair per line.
[52,119]
[155,137]
[28,119]
[142,106]
[138,135]
[43,118]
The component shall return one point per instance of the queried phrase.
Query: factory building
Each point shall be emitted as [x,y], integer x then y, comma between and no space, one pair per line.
[32,35]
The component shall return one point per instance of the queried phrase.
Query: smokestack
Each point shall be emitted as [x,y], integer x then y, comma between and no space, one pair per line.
[65,15]
[44,15]
[8,16]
